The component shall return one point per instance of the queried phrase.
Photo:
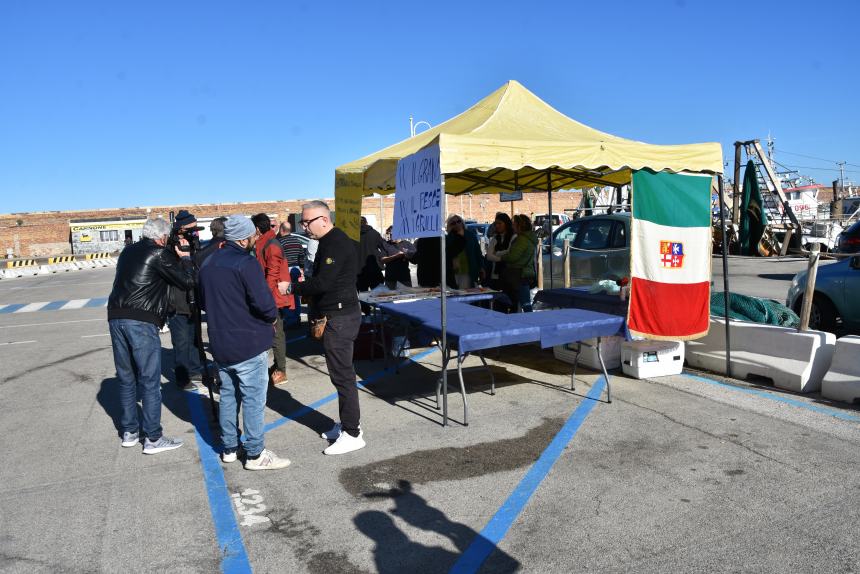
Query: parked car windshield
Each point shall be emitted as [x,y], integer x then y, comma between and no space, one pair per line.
[595,234]
[568,232]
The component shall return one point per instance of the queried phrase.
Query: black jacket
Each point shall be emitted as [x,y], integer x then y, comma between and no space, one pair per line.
[140,288]
[180,301]
[332,285]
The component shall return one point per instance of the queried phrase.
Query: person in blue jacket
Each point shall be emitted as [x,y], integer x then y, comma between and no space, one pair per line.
[241,315]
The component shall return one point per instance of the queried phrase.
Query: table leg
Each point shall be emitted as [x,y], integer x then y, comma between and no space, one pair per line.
[460,358]
[492,376]
[605,374]
[575,363]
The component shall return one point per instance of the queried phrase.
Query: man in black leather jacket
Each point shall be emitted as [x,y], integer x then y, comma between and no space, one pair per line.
[137,308]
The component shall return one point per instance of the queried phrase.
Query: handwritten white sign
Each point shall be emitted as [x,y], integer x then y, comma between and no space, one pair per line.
[418,196]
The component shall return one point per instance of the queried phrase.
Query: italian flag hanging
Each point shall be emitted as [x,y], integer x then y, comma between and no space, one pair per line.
[670,253]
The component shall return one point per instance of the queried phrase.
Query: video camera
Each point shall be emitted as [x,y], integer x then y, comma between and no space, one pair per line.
[189,234]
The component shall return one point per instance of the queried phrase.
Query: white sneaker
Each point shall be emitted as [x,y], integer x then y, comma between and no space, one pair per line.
[346,443]
[229,456]
[163,444]
[333,433]
[266,461]
[132,439]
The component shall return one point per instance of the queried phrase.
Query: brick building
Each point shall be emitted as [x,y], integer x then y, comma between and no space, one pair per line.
[48,233]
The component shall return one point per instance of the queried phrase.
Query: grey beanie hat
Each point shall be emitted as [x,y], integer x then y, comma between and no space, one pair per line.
[238,227]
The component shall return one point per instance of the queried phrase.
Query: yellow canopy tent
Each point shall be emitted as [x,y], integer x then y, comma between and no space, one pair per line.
[514,140]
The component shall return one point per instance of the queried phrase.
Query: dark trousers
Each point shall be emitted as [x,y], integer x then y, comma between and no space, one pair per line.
[293,317]
[279,346]
[186,357]
[338,341]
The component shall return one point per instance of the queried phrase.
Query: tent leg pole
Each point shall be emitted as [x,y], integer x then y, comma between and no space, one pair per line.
[726,292]
[549,209]
[443,302]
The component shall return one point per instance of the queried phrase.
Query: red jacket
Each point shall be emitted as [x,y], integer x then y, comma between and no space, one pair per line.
[270,255]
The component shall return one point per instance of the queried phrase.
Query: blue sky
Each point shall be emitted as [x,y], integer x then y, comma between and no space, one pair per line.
[113,104]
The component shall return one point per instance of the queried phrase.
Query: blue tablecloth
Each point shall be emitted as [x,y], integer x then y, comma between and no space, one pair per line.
[469,328]
[580,298]
[562,326]
[473,328]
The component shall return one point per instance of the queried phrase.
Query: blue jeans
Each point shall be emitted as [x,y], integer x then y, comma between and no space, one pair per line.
[293,317]
[245,382]
[186,357]
[137,357]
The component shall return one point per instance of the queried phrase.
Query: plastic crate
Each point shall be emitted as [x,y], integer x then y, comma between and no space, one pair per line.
[646,359]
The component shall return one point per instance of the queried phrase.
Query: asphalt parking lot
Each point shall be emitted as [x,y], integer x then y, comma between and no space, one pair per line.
[688,473]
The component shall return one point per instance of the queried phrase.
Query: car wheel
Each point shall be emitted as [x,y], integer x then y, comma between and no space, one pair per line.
[822,315]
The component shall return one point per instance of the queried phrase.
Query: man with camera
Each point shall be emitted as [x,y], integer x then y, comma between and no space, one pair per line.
[137,308]
[337,315]
[241,314]
[187,366]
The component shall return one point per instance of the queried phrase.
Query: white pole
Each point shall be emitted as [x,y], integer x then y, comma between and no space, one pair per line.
[811,272]
[444,304]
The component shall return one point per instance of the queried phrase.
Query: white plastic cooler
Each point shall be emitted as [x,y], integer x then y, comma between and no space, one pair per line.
[646,359]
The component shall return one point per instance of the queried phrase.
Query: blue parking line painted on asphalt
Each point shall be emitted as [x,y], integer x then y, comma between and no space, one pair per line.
[299,413]
[778,398]
[13,307]
[53,305]
[234,557]
[97,302]
[488,539]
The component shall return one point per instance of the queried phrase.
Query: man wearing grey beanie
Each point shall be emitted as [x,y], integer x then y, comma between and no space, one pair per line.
[240,314]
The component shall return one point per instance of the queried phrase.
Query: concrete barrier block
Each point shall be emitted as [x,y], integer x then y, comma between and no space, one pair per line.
[842,381]
[45,270]
[793,360]
[10,273]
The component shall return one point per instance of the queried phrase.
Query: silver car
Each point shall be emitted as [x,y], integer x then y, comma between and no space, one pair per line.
[599,249]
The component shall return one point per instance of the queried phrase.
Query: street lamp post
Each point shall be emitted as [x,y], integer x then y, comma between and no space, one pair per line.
[414,126]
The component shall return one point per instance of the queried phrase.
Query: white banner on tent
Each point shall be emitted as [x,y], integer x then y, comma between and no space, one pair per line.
[418,196]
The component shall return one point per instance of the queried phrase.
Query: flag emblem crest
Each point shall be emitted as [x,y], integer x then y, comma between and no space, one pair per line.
[672,254]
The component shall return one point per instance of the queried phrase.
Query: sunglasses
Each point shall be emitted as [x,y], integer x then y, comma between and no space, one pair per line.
[307,222]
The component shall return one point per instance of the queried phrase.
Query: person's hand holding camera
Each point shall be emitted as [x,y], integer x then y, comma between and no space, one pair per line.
[178,248]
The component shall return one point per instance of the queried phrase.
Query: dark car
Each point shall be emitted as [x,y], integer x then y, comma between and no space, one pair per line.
[481,229]
[849,240]
[835,304]
[599,249]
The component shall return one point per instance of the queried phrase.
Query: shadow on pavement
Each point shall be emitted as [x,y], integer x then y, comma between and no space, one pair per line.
[394,552]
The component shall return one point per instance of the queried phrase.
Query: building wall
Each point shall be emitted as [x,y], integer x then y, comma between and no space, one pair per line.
[47,233]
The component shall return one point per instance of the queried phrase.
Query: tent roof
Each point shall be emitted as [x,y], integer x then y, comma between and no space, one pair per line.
[512,130]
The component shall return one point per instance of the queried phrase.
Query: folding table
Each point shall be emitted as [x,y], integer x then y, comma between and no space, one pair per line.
[473,329]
